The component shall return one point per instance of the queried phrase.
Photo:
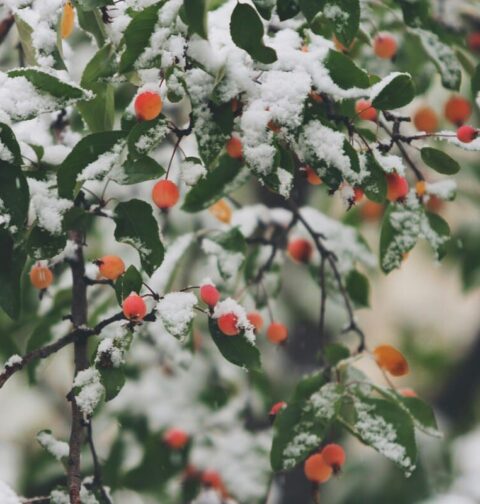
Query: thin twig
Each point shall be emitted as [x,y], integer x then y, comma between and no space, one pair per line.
[97,468]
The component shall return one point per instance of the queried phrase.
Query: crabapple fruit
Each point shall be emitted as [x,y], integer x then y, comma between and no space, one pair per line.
[111,267]
[385,46]
[227,323]
[277,333]
[391,360]
[134,307]
[235,148]
[148,105]
[397,187]
[41,277]
[316,469]
[365,111]
[209,295]
[165,194]
[300,250]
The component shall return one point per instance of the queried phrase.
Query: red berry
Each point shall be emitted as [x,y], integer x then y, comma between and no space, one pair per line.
[334,456]
[277,333]
[316,469]
[256,320]
[134,307]
[473,41]
[277,407]
[457,110]
[235,148]
[385,46]
[213,480]
[228,324]
[148,106]
[408,392]
[397,187]
[365,111]
[209,295]
[111,267]
[176,438]
[357,194]
[312,176]
[466,134]
[300,250]
[41,277]
[165,194]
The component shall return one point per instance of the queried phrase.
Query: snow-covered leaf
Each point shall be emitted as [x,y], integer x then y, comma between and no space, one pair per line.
[146,135]
[196,16]
[229,248]
[344,72]
[394,91]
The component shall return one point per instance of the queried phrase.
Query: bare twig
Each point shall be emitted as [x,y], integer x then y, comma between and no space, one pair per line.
[97,468]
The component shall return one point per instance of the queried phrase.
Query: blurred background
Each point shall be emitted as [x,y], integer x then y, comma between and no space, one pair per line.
[429,311]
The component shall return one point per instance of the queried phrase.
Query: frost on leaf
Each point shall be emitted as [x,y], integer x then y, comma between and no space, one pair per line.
[59,449]
[88,391]
[176,312]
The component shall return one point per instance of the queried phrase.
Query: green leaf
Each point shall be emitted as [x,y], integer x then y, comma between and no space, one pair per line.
[246,30]
[223,179]
[344,18]
[91,22]
[375,183]
[230,248]
[287,9]
[302,426]
[93,4]
[344,72]
[196,16]
[137,36]
[422,414]
[43,245]
[136,226]
[236,349]
[130,281]
[14,197]
[25,35]
[8,139]
[336,352]
[442,230]
[415,13]
[358,288]
[398,92]
[85,152]
[442,56]
[138,170]
[387,428]
[113,380]
[439,161]
[475,83]
[12,261]
[146,135]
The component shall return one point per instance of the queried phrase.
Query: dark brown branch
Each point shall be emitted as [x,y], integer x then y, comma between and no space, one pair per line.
[5,25]
[97,468]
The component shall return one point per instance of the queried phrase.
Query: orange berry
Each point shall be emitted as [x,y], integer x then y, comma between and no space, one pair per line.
[134,307]
[235,104]
[397,187]
[41,277]
[385,46]
[274,126]
[390,359]
[228,324]
[176,438]
[111,267]
[209,295]
[300,250]
[357,194]
[277,407]
[68,20]
[213,480]
[421,188]
[148,106]
[365,111]
[256,320]
[277,333]
[425,119]
[408,392]
[165,194]
[467,134]
[235,148]
[434,203]
[316,469]
[334,456]
[316,97]
[457,110]
[312,176]
[473,41]
[222,211]
[371,210]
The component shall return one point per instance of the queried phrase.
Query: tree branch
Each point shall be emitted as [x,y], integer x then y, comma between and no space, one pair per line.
[97,468]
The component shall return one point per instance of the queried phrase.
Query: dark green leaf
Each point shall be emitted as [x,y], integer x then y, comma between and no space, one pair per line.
[91,22]
[223,179]
[247,32]
[475,84]
[137,227]
[14,195]
[112,379]
[42,245]
[130,281]
[196,16]
[286,9]
[7,137]
[236,349]
[12,261]
[336,352]
[442,229]
[439,161]
[422,414]
[375,183]
[146,135]
[397,93]
[344,72]
[344,18]
[138,170]
[358,288]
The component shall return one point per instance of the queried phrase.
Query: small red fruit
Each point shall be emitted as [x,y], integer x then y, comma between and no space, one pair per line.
[473,41]
[300,250]
[425,119]
[316,469]
[276,408]
[397,187]
[209,295]
[385,46]
[213,480]
[365,111]
[176,438]
[111,267]
[467,134]
[41,277]
[371,210]
[228,324]
[235,148]
[457,110]
[256,320]
[134,307]
[165,194]
[357,194]
[334,456]
[277,333]
[148,106]
[312,176]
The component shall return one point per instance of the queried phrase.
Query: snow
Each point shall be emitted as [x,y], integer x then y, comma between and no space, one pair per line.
[59,449]
[5,153]
[229,263]
[104,164]
[90,391]
[443,189]
[7,495]
[176,312]
[13,360]
[191,172]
